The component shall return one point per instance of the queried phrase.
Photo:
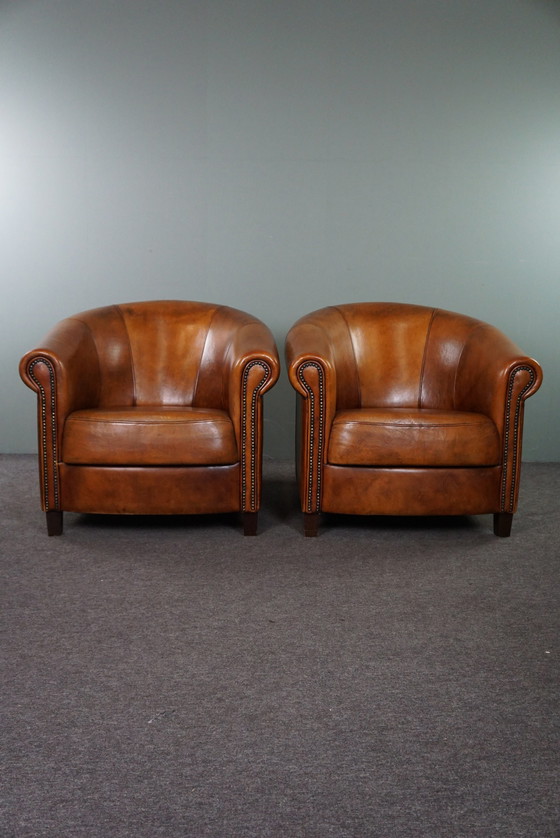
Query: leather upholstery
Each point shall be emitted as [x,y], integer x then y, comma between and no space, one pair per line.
[401,436]
[149,436]
[152,407]
[407,410]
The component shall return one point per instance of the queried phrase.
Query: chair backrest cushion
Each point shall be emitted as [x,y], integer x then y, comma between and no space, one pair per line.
[403,355]
[168,352]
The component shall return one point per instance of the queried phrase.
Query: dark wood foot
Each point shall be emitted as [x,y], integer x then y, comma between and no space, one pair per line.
[310,524]
[502,524]
[54,522]
[250,520]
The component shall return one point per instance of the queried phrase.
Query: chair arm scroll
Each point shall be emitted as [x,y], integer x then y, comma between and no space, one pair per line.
[257,374]
[64,373]
[312,371]
[524,379]
[311,379]
[39,374]
[254,369]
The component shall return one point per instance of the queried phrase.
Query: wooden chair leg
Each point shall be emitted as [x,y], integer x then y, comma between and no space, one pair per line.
[310,524]
[502,524]
[250,520]
[54,522]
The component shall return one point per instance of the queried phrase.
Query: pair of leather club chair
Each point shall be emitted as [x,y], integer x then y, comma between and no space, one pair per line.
[156,408]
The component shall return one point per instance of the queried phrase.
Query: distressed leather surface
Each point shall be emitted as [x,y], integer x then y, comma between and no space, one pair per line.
[394,397]
[410,491]
[403,436]
[156,490]
[130,394]
[149,436]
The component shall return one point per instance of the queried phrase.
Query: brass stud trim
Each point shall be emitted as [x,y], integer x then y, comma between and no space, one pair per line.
[47,428]
[249,433]
[315,456]
[513,432]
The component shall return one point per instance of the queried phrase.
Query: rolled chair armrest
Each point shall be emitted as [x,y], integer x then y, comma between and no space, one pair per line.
[495,378]
[490,362]
[254,368]
[69,353]
[310,355]
[64,372]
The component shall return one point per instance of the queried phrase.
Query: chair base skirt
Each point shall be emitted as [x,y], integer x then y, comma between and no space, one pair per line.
[351,490]
[156,490]
[178,490]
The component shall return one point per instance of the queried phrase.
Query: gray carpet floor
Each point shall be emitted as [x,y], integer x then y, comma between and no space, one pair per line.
[393,678]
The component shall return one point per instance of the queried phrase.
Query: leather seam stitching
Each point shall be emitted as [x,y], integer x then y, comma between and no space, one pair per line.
[199,366]
[253,432]
[350,338]
[132,367]
[423,367]
[90,332]
[397,425]
[164,422]
[320,443]
[459,360]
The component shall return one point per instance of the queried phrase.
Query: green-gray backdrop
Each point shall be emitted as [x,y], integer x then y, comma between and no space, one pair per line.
[278,156]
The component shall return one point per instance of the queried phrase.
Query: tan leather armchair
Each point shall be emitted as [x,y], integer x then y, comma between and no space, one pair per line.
[152,408]
[407,410]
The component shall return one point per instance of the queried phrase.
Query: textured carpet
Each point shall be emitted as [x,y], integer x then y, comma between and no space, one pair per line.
[168,677]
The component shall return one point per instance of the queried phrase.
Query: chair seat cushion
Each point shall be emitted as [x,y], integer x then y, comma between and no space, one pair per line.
[412,437]
[148,436]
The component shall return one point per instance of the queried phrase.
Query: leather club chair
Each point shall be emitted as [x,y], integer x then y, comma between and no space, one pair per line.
[152,408]
[407,410]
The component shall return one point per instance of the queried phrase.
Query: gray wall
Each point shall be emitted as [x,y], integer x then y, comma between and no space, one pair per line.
[278,156]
